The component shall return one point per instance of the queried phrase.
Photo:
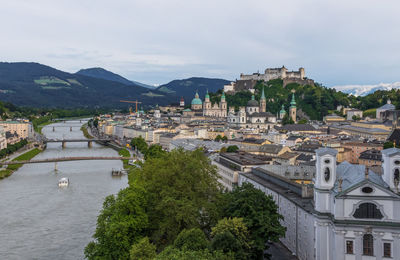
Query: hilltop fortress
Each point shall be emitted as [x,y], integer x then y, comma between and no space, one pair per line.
[248,81]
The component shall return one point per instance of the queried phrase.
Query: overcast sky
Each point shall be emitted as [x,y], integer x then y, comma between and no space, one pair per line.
[155,41]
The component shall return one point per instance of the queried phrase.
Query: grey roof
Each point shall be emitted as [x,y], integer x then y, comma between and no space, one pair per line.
[390,151]
[261,114]
[325,150]
[387,107]
[296,127]
[271,148]
[353,174]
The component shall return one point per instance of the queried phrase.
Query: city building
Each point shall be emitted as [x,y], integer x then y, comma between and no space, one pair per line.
[354,113]
[350,213]
[384,108]
[23,129]
[371,157]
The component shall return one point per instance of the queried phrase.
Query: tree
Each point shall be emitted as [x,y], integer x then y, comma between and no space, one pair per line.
[223,150]
[181,254]
[218,138]
[231,235]
[154,150]
[139,144]
[120,223]
[143,250]
[182,190]
[259,213]
[232,149]
[302,121]
[355,118]
[191,239]
[287,120]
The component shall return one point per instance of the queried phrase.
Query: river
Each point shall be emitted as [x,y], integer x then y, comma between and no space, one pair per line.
[39,220]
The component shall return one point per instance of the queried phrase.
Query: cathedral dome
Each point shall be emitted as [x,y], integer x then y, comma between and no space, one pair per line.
[196,100]
[252,102]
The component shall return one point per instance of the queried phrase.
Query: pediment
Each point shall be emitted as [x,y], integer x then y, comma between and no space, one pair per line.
[368,188]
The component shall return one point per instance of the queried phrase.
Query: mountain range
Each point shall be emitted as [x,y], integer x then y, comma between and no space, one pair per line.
[37,85]
[363,90]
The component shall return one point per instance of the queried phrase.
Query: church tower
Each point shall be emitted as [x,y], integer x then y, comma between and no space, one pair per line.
[182,102]
[223,105]
[391,168]
[292,109]
[325,178]
[263,102]
[207,105]
[282,113]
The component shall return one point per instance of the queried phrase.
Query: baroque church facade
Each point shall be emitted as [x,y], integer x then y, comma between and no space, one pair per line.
[209,109]
[354,213]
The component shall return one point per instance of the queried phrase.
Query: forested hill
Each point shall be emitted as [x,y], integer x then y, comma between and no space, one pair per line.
[316,101]
[37,85]
[188,87]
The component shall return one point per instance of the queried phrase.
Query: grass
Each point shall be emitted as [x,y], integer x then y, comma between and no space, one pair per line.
[23,157]
[50,80]
[53,87]
[370,112]
[85,132]
[125,153]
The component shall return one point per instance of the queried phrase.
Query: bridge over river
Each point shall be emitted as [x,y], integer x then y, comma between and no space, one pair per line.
[64,141]
[66,159]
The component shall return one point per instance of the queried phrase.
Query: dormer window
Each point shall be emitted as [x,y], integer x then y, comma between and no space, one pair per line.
[368,210]
[327,174]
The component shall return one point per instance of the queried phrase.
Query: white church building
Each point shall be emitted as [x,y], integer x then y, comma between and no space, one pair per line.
[350,213]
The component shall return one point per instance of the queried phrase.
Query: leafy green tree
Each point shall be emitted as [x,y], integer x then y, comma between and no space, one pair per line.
[154,150]
[223,233]
[191,239]
[139,144]
[223,150]
[224,138]
[287,120]
[182,191]
[302,121]
[259,213]
[355,118]
[121,222]
[218,138]
[390,144]
[232,149]
[181,254]
[143,250]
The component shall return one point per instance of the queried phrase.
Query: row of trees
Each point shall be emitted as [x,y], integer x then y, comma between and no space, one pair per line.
[11,148]
[174,208]
[154,150]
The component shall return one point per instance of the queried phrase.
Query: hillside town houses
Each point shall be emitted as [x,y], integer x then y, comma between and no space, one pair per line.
[334,184]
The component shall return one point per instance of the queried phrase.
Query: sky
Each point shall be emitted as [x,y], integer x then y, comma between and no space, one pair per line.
[352,42]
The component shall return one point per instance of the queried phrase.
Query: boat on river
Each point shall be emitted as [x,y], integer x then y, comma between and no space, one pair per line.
[63,182]
[115,172]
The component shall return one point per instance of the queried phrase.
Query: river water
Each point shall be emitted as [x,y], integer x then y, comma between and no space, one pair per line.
[39,220]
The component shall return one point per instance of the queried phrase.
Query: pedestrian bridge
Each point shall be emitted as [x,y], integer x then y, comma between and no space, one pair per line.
[64,141]
[66,159]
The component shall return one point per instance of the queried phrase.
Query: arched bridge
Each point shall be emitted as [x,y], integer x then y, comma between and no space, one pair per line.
[66,159]
[64,141]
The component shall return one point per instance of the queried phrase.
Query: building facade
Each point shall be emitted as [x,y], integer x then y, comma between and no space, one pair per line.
[352,214]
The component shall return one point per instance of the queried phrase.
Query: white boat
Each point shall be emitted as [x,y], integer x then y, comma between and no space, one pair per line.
[63,182]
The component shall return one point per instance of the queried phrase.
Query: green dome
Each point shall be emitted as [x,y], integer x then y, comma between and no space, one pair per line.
[282,110]
[207,95]
[196,100]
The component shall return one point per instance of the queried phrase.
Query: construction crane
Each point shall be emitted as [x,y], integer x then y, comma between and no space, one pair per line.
[132,102]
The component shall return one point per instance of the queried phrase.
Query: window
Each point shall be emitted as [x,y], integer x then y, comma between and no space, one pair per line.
[367,190]
[368,210]
[327,174]
[349,247]
[368,245]
[387,250]
[396,176]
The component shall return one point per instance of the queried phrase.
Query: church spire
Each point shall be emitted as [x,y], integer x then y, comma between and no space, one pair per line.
[262,94]
[293,102]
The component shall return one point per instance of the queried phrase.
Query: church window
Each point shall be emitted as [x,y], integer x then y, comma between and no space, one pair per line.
[397,162]
[368,210]
[367,190]
[327,161]
[387,250]
[349,247]
[368,245]
[327,174]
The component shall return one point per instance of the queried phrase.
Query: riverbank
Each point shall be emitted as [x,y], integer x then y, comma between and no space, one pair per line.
[86,132]
[12,168]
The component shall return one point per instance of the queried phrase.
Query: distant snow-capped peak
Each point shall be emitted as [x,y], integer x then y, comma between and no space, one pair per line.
[363,90]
